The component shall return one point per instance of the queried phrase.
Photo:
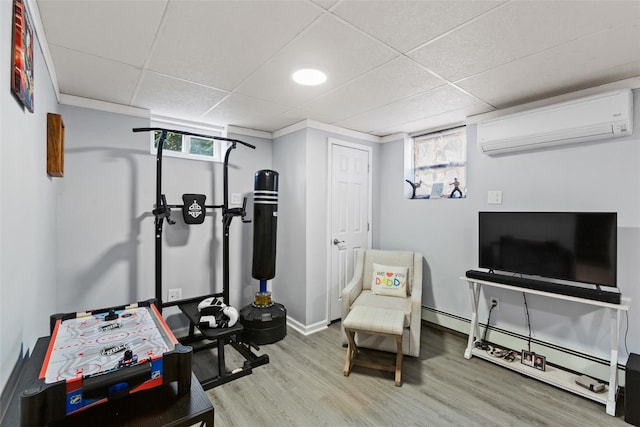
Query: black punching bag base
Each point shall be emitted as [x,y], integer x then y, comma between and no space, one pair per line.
[264,325]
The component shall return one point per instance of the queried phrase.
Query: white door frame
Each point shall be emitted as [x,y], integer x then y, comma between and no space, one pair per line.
[369,150]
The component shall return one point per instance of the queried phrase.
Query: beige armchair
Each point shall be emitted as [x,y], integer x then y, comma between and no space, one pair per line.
[358,292]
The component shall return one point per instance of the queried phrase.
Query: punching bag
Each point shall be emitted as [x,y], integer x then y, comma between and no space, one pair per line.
[264,320]
[265,221]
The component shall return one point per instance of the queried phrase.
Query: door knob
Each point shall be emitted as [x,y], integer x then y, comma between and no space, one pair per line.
[337,242]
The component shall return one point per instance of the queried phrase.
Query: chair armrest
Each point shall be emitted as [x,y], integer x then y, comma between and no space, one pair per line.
[416,306]
[354,287]
[416,286]
[350,293]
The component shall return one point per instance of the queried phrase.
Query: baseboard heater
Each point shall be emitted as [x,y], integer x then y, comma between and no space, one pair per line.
[595,294]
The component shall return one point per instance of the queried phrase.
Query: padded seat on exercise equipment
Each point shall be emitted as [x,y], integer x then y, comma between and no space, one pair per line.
[221,336]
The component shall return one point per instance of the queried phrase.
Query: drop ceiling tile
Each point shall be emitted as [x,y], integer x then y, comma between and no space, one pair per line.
[517,30]
[220,43]
[247,112]
[171,97]
[609,56]
[340,51]
[408,24]
[437,122]
[505,53]
[93,77]
[391,82]
[285,119]
[431,103]
[325,3]
[118,30]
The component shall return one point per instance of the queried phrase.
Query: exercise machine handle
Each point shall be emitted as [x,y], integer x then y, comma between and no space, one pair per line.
[163,211]
[241,212]
[244,211]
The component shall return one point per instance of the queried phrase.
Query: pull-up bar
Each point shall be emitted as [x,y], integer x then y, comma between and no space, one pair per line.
[182,132]
[162,208]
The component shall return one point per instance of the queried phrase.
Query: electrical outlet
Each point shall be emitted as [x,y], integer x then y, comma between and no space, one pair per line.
[495,301]
[175,294]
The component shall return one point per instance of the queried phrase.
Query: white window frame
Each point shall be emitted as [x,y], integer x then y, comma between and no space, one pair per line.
[409,162]
[219,147]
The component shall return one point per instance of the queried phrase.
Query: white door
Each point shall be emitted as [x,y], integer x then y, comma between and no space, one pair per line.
[350,215]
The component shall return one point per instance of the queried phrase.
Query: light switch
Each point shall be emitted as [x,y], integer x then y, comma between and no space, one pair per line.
[494,197]
[236,199]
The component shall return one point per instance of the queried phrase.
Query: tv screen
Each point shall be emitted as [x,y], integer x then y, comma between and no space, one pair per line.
[573,246]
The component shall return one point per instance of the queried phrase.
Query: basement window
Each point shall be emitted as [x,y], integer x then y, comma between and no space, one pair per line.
[437,165]
[192,147]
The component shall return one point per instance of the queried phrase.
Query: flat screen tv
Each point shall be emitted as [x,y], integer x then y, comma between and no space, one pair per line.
[571,246]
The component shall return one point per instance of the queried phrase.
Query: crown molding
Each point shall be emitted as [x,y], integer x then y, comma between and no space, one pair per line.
[290,129]
[237,130]
[77,101]
[32,6]
[400,136]
[312,124]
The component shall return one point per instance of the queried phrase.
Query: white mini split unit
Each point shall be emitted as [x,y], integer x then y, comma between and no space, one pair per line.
[602,116]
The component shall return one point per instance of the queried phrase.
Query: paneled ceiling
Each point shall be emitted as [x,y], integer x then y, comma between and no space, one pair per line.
[392,66]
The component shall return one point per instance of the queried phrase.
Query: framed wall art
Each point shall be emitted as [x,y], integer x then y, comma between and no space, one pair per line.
[22,55]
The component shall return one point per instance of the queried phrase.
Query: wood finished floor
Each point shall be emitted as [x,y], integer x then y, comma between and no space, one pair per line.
[303,385]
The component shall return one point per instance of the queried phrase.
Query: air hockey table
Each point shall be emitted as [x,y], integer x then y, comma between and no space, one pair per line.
[102,355]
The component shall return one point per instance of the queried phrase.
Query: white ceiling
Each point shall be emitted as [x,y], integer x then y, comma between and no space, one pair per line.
[392,66]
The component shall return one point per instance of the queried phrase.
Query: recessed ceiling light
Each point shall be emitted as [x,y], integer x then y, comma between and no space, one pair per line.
[309,77]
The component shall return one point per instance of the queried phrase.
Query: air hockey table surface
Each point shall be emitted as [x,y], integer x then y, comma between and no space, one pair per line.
[101,355]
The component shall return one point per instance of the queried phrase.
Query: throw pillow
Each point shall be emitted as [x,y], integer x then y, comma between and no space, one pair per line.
[389,280]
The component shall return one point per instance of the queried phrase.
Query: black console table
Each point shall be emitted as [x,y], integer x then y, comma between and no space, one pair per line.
[161,406]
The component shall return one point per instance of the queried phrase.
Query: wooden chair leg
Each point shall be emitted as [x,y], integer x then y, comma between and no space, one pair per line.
[399,361]
[351,348]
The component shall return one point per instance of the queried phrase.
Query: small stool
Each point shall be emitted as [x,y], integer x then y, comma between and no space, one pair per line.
[376,321]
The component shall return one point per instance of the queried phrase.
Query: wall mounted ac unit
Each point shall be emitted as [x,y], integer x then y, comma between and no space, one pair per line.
[602,116]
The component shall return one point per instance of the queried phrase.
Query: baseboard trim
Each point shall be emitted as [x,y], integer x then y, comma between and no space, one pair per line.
[180,326]
[10,387]
[566,358]
[306,329]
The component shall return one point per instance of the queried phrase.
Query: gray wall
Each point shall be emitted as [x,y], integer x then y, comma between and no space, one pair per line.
[106,241]
[301,157]
[104,211]
[243,165]
[601,176]
[289,285]
[87,240]
[27,211]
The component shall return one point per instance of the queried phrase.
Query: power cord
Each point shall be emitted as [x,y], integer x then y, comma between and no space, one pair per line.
[626,331]
[483,343]
[507,355]
[526,308]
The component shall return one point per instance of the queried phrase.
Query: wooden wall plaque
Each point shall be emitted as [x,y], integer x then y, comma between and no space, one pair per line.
[55,145]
